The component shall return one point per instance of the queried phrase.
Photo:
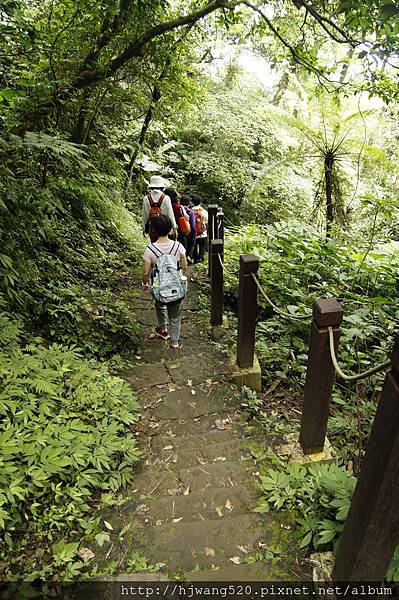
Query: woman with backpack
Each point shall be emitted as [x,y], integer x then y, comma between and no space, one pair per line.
[201,227]
[156,202]
[165,273]
[181,217]
[186,202]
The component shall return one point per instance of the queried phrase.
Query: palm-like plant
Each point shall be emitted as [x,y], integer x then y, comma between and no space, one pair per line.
[337,142]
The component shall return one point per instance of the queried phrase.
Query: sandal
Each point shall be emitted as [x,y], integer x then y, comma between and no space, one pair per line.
[176,345]
[161,334]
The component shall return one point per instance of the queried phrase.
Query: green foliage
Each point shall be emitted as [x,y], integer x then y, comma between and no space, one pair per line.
[272,422]
[319,496]
[65,437]
[299,266]
[139,563]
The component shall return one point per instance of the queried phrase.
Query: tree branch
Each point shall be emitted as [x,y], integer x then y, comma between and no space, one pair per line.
[135,49]
[108,30]
[323,21]
[293,51]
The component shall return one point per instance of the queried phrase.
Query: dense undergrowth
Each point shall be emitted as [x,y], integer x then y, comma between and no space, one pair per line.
[67,421]
[66,441]
[297,265]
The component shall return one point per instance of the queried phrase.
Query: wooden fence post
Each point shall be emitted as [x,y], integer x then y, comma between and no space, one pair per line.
[320,375]
[217,293]
[212,210]
[220,225]
[247,310]
[371,532]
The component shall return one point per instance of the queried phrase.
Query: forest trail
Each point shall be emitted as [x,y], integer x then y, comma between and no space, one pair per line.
[191,504]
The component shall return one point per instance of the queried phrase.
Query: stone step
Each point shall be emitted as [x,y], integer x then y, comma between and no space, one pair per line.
[144,376]
[201,439]
[218,474]
[197,401]
[169,476]
[152,351]
[191,455]
[205,364]
[185,427]
[215,503]
[203,544]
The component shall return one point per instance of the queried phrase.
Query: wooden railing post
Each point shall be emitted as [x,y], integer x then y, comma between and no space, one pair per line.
[212,211]
[220,225]
[247,310]
[371,532]
[217,294]
[320,375]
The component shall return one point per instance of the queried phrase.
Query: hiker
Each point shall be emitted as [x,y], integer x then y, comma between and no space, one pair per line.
[155,203]
[165,273]
[181,217]
[186,202]
[201,228]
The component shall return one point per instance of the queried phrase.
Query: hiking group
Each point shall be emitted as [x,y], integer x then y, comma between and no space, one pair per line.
[177,227]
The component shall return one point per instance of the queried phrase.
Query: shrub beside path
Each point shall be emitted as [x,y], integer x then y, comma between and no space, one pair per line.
[191,504]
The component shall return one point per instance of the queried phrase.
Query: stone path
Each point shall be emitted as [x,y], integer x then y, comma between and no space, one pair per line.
[191,505]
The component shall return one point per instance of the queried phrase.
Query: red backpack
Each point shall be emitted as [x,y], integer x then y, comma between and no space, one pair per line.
[155,208]
[200,225]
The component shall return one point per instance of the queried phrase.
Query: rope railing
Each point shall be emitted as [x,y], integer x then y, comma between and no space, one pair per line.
[276,308]
[227,271]
[359,376]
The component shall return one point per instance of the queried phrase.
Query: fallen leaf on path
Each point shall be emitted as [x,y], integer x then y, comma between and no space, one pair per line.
[236,560]
[229,506]
[177,520]
[209,552]
[85,553]
[186,491]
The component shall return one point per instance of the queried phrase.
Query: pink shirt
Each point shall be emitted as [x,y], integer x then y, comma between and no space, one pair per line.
[165,248]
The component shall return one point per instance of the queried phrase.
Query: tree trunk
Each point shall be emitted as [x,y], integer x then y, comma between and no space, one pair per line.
[345,66]
[155,97]
[281,88]
[328,165]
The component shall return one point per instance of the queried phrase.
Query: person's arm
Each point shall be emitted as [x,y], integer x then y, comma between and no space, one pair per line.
[145,213]
[146,272]
[183,264]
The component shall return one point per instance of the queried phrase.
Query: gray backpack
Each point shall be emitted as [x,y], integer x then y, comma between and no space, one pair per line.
[167,285]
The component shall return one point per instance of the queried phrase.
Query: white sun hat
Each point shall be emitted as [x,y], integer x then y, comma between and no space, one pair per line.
[157,181]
